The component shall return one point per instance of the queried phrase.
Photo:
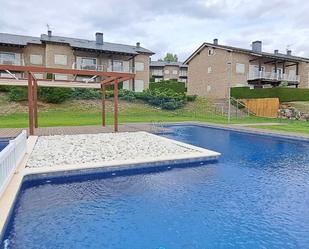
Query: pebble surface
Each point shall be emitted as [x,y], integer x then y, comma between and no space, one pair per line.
[95,148]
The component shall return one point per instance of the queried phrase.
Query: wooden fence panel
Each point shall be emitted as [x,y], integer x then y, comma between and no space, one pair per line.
[266,107]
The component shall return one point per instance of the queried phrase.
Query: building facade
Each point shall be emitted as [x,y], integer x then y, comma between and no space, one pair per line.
[64,52]
[213,68]
[162,70]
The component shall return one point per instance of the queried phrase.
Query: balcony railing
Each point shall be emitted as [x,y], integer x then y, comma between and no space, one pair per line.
[157,73]
[102,68]
[254,75]
[85,66]
[183,73]
[120,69]
[15,62]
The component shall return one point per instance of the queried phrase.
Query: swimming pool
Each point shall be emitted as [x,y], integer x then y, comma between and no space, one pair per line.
[3,143]
[255,196]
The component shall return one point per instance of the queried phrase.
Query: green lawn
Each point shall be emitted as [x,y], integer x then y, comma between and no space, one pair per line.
[89,113]
[299,127]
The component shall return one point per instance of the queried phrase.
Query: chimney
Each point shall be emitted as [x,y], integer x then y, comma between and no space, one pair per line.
[276,51]
[257,46]
[289,52]
[99,38]
[215,41]
[138,44]
[49,33]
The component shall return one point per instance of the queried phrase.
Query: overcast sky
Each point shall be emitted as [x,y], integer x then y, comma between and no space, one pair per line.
[177,26]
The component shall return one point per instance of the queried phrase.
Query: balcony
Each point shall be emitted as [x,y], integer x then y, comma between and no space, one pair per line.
[182,73]
[272,78]
[157,73]
[120,69]
[7,61]
[87,66]
[102,68]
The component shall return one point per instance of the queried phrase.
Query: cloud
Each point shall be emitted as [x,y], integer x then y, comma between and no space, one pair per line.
[177,26]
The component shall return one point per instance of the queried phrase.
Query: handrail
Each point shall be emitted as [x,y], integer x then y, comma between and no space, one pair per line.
[10,157]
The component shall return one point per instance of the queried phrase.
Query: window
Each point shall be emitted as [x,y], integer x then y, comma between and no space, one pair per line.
[183,72]
[126,85]
[240,68]
[139,66]
[166,71]
[7,58]
[208,88]
[61,59]
[36,59]
[157,79]
[61,77]
[117,65]
[211,51]
[39,76]
[175,72]
[87,63]
[139,85]
[158,72]
[209,70]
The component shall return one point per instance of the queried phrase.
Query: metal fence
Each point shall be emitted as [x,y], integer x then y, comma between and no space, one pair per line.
[10,157]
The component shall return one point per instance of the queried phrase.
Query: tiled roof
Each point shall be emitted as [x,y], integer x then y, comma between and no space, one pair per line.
[251,52]
[166,63]
[73,42]
[20,40]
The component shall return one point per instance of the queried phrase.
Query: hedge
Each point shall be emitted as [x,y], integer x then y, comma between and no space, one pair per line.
[284,94]
[165,85]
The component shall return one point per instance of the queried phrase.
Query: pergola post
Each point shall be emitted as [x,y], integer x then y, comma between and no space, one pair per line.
[35,102]
[103,94]
[116,105]
[30,104]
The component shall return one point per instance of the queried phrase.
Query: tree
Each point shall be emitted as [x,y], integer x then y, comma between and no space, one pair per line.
[169,57]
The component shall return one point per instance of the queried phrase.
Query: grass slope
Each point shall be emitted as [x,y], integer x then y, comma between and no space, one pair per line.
[79,112]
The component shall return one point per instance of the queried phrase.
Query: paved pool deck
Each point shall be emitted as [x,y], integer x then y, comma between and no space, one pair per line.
[148,127]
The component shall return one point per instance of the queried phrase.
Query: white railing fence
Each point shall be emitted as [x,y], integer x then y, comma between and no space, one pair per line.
[272,76]
[10,157]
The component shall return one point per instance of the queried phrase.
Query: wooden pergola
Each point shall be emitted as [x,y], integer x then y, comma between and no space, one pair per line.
[107,78]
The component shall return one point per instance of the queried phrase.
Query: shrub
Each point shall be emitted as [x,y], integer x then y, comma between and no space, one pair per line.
[191,97]
[127,95]
[54,94]
[5,88]
[284,94]
[18,93]
[80,93]
[166,85]
[165,99]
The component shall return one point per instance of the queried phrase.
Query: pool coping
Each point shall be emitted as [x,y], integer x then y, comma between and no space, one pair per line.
[22,172]
[245,129]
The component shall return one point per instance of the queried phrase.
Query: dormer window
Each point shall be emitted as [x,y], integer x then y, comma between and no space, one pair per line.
[211,51]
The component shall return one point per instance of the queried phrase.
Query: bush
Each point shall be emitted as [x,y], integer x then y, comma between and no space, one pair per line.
[164,99]
[5,88]
[80,93]
[191,97]
[166,85]
[18,93]
[127,95]
[284,94]
[54,94]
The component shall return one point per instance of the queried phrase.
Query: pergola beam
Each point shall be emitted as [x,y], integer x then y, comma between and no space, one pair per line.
[62,71]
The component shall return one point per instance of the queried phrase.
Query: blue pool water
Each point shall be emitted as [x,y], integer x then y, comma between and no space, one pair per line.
[255,196]
[3,143]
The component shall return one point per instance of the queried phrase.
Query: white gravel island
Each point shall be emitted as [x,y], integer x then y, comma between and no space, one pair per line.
[105,148]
